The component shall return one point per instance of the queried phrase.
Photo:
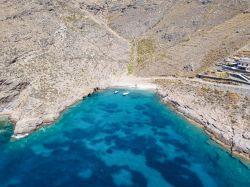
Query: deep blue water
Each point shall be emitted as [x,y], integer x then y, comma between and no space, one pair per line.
[113,140]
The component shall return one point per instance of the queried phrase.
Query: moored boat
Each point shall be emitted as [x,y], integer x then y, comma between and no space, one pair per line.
[125,93]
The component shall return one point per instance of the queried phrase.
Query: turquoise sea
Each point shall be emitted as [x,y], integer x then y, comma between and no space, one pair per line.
[112,140]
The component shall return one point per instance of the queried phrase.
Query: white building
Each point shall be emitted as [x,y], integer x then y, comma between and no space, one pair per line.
[243,63]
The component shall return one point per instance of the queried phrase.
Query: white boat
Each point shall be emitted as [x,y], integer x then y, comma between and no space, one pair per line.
[116,92]
[125,93]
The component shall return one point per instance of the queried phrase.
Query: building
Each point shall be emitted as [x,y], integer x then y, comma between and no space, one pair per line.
[243,63]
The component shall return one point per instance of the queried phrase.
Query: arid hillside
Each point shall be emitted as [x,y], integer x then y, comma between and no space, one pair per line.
[54,52]
[179,37]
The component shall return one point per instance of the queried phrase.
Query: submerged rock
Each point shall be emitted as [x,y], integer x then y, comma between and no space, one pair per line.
[6,130]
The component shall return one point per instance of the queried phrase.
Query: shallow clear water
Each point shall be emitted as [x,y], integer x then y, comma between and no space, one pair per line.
[114,140]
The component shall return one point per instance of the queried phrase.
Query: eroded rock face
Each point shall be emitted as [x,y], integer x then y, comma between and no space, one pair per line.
[52,54]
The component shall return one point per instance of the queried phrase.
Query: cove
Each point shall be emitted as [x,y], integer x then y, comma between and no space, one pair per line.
[110,140]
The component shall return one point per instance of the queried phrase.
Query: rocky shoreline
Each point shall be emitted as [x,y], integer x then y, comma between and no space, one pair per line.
[41,123]
[235,141]
[212,127]
[215,137]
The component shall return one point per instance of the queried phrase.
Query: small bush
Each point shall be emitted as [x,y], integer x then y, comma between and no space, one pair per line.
[130,68]
[72,18]
[233,96]
[145,50]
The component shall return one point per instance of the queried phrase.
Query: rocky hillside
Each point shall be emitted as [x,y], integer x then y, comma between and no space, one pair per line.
[53,52]
[180,37]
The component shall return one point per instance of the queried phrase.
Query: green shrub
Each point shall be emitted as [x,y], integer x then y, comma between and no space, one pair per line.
[145,50]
